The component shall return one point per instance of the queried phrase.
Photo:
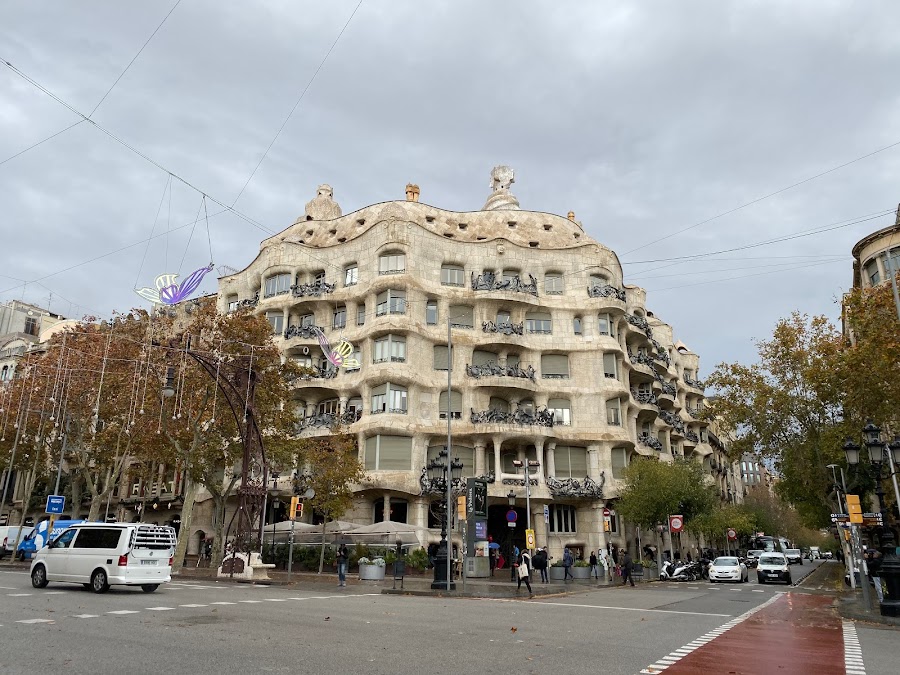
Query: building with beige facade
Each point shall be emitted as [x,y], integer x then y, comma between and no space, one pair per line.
[554,358]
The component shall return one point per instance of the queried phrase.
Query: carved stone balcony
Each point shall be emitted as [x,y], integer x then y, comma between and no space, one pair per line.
[606,291]
[640,358]
[320,372]
[691,436]
[489,281]
[696,384]
[640,323]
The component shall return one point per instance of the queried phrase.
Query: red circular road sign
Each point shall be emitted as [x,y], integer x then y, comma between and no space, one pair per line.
[606,513]
[676,523]
[732,535]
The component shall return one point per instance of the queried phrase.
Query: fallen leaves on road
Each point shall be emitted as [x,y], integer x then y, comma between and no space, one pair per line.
[328,618]
[513,629]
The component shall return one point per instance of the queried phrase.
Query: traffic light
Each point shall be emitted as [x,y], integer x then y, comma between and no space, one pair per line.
[296,512]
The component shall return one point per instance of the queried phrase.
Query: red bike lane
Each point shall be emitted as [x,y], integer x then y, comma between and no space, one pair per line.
[795,633]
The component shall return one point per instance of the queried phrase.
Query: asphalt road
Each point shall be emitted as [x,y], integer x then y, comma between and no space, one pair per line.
[213,627]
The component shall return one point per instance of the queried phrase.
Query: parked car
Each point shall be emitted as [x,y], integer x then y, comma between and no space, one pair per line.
[753,557]
[8,536]
[794,556]
[728,568]
[773,567]
[100,555]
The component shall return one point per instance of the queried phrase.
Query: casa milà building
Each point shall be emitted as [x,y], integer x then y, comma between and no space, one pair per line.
[555,359]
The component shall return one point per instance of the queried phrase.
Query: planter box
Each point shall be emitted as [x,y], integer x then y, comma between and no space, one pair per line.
[371,573]
[557,573]
[581,572]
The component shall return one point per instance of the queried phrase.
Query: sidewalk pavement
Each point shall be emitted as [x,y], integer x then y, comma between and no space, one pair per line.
[829,578]
[498,586]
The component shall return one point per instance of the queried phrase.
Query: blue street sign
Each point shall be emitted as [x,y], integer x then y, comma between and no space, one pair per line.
[55,504]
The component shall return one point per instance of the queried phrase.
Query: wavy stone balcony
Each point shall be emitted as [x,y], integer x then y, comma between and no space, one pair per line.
[503,328]
[316,289]
[492,370]
[650,442]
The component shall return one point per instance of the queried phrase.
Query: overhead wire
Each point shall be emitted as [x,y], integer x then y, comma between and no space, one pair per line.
[297,104]
[766,196]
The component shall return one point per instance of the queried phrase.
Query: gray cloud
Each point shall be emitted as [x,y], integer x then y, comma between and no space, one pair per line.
[642,118]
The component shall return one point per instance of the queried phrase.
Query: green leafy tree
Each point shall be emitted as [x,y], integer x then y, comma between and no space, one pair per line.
[788,407]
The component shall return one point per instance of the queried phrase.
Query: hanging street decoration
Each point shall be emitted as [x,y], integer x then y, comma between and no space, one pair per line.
[168,292]
[337,356]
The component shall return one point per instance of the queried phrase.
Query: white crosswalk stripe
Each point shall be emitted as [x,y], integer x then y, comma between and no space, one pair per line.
[124,611]
[193,605]
[159,609]
[223,603]
[85,616]
[36,621]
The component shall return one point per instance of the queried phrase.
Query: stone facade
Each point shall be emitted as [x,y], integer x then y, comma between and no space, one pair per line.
[554,358]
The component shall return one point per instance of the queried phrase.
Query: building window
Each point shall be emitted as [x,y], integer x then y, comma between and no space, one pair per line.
[453,275]
[481,357]
[392,263]
[562,518]
[562,413]
[553,284]
[351,275]
[570,462]
[576,325]
[307,320]
[330,407]
[431,312]
[455,405]
[503,316]
[605,325]
[355,356]
[391,301]
[510,276]
[4,373]
[276,319]
[872,272]
[613,413]
[388,453]
[597,281]
[441,357]
[233,303]
[399,510]
[360,315]
[389,398]
[610,366]
[277,285]
[500,404]
[462,316]
[340,317]
[619,462]
[538,322]
[555,366]
[390,348]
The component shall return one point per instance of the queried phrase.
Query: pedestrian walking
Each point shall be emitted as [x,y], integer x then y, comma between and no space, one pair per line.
[523,572]
[343,558]
[568,561]
[627,565]
[539,562]
[873,563]
[492,554]
[595,570]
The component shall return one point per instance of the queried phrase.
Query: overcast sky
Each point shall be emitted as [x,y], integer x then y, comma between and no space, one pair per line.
[643,118]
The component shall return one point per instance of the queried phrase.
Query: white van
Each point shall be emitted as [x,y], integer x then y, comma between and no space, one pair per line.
[8,536]
[100,555]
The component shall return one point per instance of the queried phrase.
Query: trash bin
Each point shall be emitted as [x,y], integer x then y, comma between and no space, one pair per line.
[399,572]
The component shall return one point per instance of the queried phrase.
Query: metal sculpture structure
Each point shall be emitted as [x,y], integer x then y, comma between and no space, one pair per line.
[167,292]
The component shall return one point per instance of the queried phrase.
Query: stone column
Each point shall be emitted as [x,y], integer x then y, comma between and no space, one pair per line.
[498,467]
[551,459]
[386,515]
[539,456]
[479,459]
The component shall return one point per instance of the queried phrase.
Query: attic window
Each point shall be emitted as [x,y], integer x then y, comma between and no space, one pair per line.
[342,239]
[309,233]
[480,238]
[360,221]
[430,219]
[332,231]
[463,226]
[547,228]
[577,235]
[511,223]
[449,235]
[309,217]
[300,241]
[533,244]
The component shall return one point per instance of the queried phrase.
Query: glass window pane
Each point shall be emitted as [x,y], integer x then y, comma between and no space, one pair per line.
[462,316]
[441,360]
[431,313]
[553,284]
[371,459]
[479,357]
[610,369]
[351,276]
[453,275]
[361,315]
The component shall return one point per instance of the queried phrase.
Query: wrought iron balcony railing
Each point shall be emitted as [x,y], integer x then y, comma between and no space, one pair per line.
[489,281]
[492,369]
[672,420]
[645,397]
[574,489]
[606,291]
[521,416]
[504,327]
[316,289]
[650,442]
[306,332]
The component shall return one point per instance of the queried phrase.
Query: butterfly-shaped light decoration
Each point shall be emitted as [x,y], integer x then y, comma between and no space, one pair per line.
[337,356]
[167,292]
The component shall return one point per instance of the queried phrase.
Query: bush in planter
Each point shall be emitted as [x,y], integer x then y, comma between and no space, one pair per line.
[377,562]
[417,559]
[580,563]
[556,563]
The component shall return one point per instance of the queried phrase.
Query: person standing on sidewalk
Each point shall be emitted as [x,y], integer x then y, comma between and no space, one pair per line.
[627,565]
[592,561]
[523,572]
[540,563]
[604,561]
[568,561]
[343,558]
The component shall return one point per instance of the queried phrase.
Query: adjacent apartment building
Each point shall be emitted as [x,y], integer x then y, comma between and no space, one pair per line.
[552,358]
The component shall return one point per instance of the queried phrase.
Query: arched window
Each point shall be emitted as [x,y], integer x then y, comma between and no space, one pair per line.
[392,263]
[570,461]
[455,405]
[441,357]
[453,275]
[388,453]
[278,284]
[481,357]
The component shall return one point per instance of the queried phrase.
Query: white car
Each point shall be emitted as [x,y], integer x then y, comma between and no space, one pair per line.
[727,568]
[773,567]
[100,555]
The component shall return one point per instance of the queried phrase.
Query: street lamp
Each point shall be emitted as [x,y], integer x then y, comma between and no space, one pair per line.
[444,473]
[168,390]
[511,498]
[526,466]
[890,564]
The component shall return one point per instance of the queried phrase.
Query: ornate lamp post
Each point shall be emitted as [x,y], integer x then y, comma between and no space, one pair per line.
[890,564]
[443,474]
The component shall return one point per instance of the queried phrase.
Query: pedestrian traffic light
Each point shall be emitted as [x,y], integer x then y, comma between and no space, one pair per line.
[296,512]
